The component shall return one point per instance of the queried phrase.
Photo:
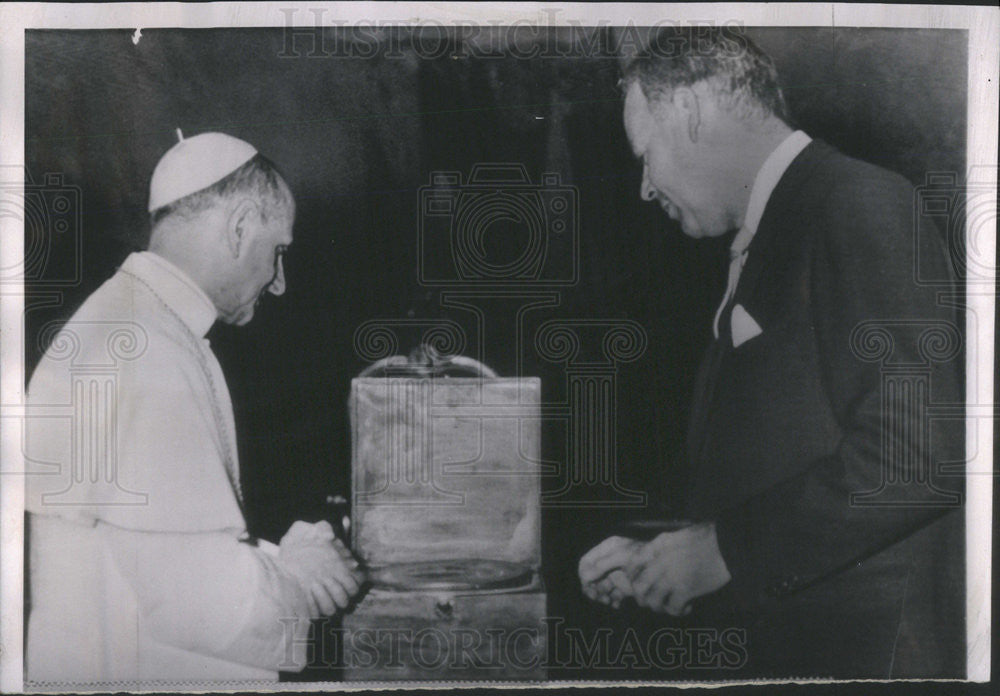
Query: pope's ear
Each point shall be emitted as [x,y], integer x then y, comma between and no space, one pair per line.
[241,217]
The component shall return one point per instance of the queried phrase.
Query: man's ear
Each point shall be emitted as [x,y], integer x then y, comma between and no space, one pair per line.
[242,215]
[688,109]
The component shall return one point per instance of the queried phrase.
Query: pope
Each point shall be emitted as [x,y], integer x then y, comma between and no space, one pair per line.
[141,569]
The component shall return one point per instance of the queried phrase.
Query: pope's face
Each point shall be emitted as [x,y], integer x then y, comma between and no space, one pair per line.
[260,267]
[672,173]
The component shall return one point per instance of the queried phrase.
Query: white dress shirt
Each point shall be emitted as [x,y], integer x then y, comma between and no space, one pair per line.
[136,571]
[767,178]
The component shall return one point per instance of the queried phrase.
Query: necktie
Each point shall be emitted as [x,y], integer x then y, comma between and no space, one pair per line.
[737,259]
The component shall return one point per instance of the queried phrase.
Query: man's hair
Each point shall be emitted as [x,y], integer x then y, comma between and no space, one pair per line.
[742,77]
[258,179]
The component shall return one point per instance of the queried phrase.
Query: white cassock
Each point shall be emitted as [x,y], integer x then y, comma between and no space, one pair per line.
[136,570]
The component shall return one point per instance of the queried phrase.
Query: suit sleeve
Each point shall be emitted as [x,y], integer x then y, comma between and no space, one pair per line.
[873,326]
[210,594]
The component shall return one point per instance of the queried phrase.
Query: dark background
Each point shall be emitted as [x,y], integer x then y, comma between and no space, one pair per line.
[356,138]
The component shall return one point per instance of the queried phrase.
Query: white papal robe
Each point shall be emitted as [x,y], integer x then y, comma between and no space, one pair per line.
[137,572]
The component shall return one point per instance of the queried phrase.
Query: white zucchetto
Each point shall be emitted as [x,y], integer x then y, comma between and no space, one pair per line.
[196,163]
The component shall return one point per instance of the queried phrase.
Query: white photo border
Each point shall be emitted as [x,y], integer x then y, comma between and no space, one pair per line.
[981,23]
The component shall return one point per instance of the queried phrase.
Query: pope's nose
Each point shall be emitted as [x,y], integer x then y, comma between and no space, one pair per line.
[646,190]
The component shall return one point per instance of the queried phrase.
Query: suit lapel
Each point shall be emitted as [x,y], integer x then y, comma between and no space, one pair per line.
[763,248]
[762,253]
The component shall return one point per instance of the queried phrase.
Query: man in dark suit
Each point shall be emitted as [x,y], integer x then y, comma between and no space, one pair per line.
[821,520]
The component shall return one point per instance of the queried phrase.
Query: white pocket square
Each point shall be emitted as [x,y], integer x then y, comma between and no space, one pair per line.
[744,326]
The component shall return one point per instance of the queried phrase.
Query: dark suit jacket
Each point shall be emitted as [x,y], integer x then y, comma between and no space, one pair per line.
[831,401]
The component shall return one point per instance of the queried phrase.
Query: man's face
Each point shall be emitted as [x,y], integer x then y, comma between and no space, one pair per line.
[259,266]
[672,173]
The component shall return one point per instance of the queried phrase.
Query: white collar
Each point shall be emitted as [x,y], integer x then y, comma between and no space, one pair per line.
[175,288]
[768,176]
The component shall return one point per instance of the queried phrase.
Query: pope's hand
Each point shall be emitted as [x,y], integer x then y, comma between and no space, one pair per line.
[665,574]
[324,567]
